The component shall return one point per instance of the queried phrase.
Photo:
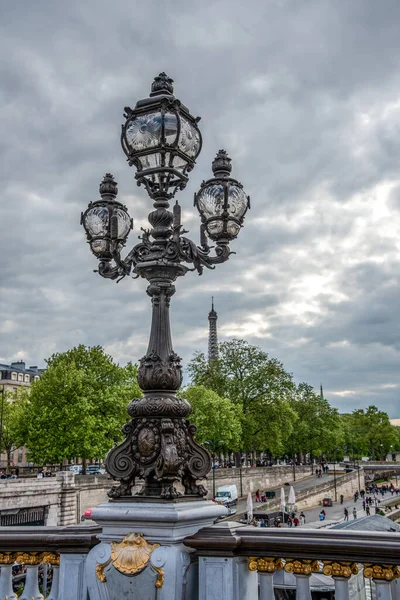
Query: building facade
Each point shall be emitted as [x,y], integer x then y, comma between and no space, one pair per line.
[13,377]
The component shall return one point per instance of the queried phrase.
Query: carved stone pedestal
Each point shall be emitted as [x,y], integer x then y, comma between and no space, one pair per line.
[141,551]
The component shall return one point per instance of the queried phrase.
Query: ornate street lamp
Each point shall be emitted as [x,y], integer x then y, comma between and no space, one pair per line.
[162,140]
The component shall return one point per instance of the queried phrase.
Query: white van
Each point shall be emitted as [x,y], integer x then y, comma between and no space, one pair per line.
[227,495]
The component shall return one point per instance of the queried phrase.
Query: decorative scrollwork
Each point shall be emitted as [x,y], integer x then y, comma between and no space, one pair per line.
[339,569]
[7,558]
[265,565]
[155,373]
[166,406]
[50,558]
[28,558]
[381,572]
[301,567]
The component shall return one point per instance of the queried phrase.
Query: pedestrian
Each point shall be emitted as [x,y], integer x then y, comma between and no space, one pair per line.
[364,505]
[302,518]
[296,521]
[321,516]
[367,510]
[257,495]
[289,521]
[354,513]
[346,514]
[341,498]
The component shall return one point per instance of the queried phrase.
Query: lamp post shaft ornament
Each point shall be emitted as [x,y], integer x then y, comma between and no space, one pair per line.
[162,140]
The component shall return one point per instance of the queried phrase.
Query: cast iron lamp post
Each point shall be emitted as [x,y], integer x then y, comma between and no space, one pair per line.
[214,445]
[161,139]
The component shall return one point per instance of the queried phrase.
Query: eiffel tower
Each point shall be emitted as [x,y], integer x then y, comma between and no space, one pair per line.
[212,335]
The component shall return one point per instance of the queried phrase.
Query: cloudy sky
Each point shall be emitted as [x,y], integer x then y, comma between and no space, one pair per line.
[305,97]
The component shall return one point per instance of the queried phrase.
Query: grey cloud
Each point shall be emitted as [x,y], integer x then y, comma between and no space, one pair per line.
[301,94]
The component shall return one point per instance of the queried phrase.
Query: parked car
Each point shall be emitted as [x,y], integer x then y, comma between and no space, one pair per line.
[327,502]
[77,469]
[95,470]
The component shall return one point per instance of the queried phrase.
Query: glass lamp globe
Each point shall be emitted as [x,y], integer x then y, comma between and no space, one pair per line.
[222,202]
[106,221]
[161,139]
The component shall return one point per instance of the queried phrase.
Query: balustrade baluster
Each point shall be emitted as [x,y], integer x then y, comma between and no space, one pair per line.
[302,570]
[395,589]
[341,573]
[31,588]
[50,558]
[266,568]
[54,584]
[382,575]
[6,587]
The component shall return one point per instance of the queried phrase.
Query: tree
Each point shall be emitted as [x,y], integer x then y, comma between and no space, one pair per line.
[217,419]
[370,432]
[257,385]
[319,428]
[78,406]
[15,423]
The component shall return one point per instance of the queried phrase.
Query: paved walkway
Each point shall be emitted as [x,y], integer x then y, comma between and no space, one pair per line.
[336,512]
[300,485]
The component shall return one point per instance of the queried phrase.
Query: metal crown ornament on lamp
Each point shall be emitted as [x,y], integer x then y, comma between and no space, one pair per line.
[162,140]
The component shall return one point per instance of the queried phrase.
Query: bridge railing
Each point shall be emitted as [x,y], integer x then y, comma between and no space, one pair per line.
[63,549]
[239,562]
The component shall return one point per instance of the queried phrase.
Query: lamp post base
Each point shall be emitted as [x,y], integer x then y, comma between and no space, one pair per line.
[142,552]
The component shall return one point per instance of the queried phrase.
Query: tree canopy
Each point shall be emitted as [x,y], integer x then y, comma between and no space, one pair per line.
[257,385]
[217,419]
[79,405]
[369,432]
[319,429]
[14,422]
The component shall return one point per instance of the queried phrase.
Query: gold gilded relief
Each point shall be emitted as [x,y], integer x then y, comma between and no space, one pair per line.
[130,557]
[28,558]
[265,565]
[7,558]
[339,569]
[301,567]
[50,558]
[386,572]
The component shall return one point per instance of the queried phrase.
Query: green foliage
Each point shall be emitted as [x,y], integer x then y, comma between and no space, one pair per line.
[257,385]
[370,433]
[14,422]
[319,428]
[217,419]
[78,406]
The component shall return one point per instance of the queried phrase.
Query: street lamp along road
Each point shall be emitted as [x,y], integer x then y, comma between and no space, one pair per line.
[161,139]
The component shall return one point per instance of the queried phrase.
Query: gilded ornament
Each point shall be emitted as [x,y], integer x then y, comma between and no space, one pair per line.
[160,576]
[339,569]
[301,567]
[132,554]
[130,557]
[382,572]
[100,571]
[265,565]
[7,558]
[28,558]
[50,558]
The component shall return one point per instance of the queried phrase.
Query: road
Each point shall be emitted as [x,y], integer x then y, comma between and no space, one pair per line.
[300,485]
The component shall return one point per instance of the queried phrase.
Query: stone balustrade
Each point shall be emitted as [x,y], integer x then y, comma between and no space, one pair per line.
[237,562]
[63,549]
[234,561]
